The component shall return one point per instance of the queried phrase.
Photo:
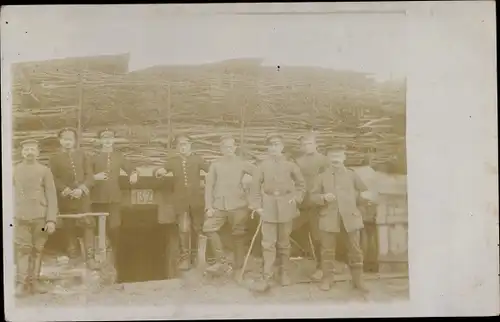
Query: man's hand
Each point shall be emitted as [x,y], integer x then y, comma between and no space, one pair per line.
[101,176]
[133,178]
[369,196]
[77,193]
[329,197]
[210,212]
[66,192]
[50,227]
[160,173]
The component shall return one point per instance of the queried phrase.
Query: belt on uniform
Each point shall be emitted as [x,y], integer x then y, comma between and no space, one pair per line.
[277,193]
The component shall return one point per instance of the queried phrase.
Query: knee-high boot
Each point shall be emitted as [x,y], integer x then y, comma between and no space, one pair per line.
[185,252]
[35,269]
[88,243]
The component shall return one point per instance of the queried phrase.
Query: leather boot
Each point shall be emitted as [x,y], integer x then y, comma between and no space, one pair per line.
[220,265]
[72,249]
[357,279]
[285,268]
[262,285]
[239,255]
[184,260]
[88,243]
[36,285]
[327,267]
[22,290]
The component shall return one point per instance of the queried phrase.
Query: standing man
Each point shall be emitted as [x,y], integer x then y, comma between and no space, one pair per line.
[106,192]
[225,200]
[35,217]
[311,164]
[277,188]
[337,192]
[72,169]
[188,195]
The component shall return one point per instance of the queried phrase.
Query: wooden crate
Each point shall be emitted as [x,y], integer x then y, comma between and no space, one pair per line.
[392,226]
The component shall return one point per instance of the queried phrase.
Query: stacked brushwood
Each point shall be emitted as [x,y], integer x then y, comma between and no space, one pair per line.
[149,107]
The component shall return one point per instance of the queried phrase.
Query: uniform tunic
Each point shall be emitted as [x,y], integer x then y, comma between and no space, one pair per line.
[225,193]
[340,215]
[106,194]
[276,181]
[73,170]
[109,191]
[345,185]
[188,192]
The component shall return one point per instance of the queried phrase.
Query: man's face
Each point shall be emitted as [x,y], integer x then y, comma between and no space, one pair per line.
[68,140]
[309,145]
[228,147]
[275,146]
[184,147]
[336,158]
[30,151]
[107,141]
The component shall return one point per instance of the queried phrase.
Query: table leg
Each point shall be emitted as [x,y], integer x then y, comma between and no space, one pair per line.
[101,243]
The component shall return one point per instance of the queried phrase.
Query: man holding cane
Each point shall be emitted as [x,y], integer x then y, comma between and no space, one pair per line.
[277,188]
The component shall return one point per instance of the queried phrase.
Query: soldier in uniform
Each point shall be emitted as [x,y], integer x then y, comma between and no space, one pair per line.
[277,188]
[35,217]
[72,169]
[106,192]
[337,191]
[225,200]
[311,164]
[188,196]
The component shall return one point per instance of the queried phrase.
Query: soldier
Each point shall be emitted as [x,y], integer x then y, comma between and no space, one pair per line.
[106,192]
[73,176]
[337,191]
[225,200]
[188,195]
[277,188]
[35,217]
[311,164]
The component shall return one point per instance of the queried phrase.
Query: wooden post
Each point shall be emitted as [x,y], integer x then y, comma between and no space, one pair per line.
[81,81]
[169,119]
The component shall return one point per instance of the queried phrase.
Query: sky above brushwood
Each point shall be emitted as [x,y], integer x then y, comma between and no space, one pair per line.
[371,43]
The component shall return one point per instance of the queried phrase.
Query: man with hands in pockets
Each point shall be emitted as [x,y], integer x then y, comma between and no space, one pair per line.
[336,192]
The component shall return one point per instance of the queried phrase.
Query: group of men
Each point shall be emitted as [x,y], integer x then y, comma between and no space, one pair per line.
[317,188]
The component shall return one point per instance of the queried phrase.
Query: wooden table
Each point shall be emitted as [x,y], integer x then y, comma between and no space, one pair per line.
[100,255]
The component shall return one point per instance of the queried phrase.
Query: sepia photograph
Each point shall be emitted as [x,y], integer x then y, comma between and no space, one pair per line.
[256,158]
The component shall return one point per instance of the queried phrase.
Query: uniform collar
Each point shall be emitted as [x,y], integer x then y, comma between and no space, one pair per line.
[341,169]
[277,158]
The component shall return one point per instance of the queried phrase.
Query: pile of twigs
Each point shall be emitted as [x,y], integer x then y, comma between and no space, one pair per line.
[239,97]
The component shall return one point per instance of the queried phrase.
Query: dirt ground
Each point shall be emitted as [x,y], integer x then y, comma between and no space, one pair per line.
[195,288]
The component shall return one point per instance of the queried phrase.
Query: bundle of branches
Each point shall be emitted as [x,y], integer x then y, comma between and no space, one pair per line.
[239,97]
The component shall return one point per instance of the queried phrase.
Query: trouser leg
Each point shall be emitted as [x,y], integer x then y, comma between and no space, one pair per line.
[269,239]
[314,232]
[184,224]
[71,238]
[23,249]
[355,255]
[283,248]
[238,219]
[40,237]
[327,259]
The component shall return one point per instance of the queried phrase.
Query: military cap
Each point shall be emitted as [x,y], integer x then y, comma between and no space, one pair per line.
[29,142]
[308,136]
[182,138]
[226,137]
[67,129]
[106,133]
[271,136]
[335,147]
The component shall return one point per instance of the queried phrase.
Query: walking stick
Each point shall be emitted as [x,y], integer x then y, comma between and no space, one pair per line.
[311,244]
[250,248]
